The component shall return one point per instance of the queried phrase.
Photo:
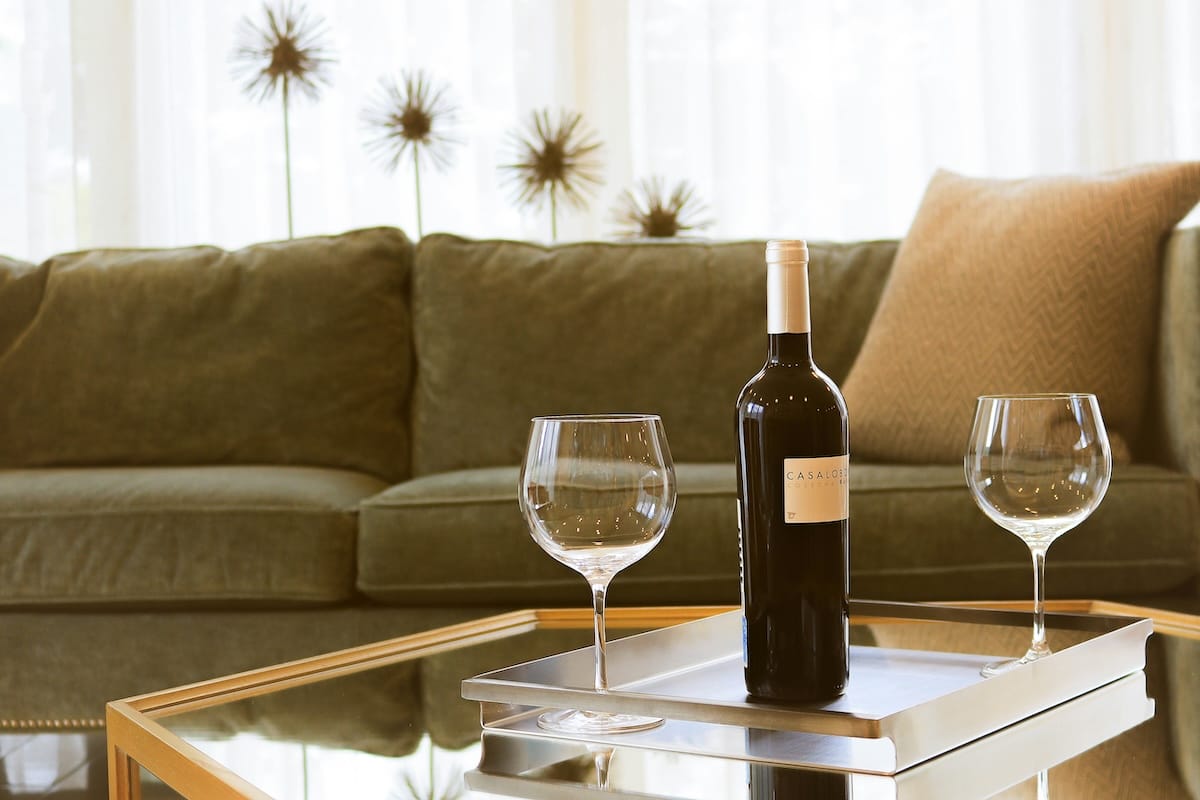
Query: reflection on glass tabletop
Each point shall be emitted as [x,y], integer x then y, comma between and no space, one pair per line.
[388,721]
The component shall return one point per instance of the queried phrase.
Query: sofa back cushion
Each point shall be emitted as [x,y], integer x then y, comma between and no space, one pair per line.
[1173,414]
[291,352]
[505,331]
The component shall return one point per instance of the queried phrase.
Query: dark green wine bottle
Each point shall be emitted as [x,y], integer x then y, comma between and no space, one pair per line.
[793,504]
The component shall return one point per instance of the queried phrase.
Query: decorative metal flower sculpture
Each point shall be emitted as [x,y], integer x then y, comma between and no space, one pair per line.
[411,114]
[555,158]
[287,51]
[649,211]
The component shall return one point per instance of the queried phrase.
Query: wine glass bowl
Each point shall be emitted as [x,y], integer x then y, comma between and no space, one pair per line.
[598,492]
[1037,466]
[596,516]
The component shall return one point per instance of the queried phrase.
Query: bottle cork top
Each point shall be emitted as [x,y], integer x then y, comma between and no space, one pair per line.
[787,251]
[787,286]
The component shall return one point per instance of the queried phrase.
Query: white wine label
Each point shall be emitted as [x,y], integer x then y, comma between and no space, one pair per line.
[816,489]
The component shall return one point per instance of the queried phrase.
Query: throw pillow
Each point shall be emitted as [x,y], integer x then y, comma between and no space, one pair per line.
[1047,284]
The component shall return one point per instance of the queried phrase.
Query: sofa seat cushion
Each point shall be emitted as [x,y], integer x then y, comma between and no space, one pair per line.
[917,534]
[459,537]
[179,535]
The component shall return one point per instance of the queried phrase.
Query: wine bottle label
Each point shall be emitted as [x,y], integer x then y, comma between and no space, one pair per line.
[816,489]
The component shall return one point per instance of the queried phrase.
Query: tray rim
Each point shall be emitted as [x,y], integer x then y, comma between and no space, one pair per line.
[503,697]
[490,776]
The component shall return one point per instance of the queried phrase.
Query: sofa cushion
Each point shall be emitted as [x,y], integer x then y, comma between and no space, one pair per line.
[1174,413]
[292,352]
[915,535]
[459,537]
[505,331]
[1047,284]
[179,535]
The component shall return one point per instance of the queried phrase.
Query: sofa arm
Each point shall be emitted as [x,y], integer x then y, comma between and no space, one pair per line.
[1175,406]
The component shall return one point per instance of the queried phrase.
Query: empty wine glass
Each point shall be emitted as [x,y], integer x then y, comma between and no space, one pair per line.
[597,492]
[1037,465]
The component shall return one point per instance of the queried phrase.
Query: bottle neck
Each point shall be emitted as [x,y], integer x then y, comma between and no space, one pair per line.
[789,349]
[788,339]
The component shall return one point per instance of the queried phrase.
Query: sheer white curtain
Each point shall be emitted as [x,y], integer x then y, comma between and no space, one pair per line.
[827,118]
[120,123]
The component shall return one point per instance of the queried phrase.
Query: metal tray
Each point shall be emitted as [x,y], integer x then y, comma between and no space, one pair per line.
[901,707]
[549,769]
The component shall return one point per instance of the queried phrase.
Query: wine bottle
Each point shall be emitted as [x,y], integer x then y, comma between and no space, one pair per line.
[793,504]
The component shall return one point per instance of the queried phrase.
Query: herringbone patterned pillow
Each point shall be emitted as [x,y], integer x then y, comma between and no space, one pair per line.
[1044,284]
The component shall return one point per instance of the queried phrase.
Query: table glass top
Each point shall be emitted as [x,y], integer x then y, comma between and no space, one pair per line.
[402,730]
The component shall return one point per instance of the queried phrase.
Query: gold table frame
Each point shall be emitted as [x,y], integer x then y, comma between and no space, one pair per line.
[137,741]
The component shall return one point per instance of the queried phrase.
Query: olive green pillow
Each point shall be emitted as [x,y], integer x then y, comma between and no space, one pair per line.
[507,330]
[1033,285]
[294,352]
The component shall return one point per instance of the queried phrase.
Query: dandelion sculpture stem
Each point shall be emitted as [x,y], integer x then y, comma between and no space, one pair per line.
[553,215]
[287,157]
[286,51]
[417,185]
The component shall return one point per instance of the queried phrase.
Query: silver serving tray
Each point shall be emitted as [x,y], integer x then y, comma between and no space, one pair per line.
[901,707]
[525,766]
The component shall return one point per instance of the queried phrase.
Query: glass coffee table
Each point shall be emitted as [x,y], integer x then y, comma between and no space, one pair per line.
[387,720]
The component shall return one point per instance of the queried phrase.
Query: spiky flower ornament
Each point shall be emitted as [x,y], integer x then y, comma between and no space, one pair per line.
[649,211]
[411,115]
[286,52]
[555,158]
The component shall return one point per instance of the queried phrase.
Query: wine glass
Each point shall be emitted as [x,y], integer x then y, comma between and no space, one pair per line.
[597,492]
[1037,465]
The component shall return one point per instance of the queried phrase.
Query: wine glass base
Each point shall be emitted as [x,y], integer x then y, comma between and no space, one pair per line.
[571,721]
[1001,667]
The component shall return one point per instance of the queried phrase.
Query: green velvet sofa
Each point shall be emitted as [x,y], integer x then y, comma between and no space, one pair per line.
[212,460]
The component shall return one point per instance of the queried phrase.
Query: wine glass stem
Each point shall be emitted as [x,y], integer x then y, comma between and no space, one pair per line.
[598,592]
[1039,598]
